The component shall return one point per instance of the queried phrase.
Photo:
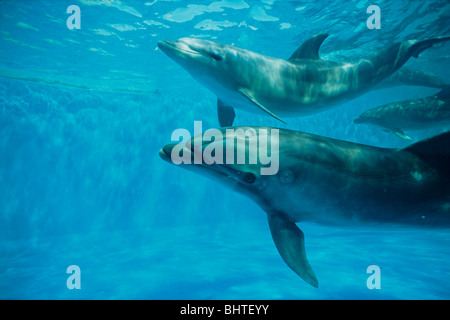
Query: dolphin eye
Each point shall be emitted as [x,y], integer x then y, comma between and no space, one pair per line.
[249,178]
[215,56]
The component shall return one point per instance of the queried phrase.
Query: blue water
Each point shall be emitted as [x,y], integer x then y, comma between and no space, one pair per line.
[84,112]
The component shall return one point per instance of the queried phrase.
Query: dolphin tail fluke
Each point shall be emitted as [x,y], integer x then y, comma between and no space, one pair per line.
[435,151]
[226,114]
[420,46]
[290,242]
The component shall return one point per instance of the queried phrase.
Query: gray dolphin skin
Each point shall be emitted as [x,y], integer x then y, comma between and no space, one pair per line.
[412,114]
[302,85]
[332,181]
[412,77]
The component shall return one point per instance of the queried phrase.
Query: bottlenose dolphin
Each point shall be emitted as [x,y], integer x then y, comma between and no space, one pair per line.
[412,114]
[338,182]
[412,77]
[302,85]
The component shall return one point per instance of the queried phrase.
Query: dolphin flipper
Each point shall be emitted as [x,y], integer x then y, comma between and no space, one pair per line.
[246,93]
[399,133]
[290,242]
[226,114]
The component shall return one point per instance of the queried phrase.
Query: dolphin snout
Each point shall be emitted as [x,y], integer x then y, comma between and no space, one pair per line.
[165,43]
[166,152]
[358,121]
[364,119]
[173,48]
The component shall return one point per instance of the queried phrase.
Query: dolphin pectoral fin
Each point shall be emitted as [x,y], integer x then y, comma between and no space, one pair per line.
[226,114]
[246,93]
[399,133]
[290,242]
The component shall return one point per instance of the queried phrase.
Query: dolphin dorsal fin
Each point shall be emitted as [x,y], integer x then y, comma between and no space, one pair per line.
[435,151]
[309,49]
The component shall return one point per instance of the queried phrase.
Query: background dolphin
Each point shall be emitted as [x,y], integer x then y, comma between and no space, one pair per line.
[301,85]
[412,77]
[332,181]
[412,114]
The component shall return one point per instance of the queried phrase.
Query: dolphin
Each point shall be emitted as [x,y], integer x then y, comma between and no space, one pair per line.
[412,77]
[334,182]
[412,114]
[301,85]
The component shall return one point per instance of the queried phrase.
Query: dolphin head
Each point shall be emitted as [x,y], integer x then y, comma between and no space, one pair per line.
[363,120]
[367,118]
[230,157]
[213,64]
[242,178]
[267,176]
[190,52]
[278,192]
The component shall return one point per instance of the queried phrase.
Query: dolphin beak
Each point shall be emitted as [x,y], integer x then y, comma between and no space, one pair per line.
[213,171]
[168,47]
[166,152]
[166,44]
[172,48]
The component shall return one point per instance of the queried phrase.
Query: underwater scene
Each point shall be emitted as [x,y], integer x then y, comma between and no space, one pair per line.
[99,99]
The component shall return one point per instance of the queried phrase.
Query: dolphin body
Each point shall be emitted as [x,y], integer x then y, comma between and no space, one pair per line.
[412,114]
[338,182]
[302,85]
[412,77]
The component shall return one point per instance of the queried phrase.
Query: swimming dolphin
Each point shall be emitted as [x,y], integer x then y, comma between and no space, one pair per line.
[302,85]
[412,114]
[332,181]
[412,77]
